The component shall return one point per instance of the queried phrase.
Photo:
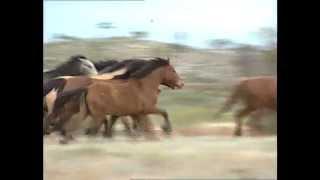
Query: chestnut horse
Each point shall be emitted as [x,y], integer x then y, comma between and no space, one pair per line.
[135,96]
[111,70]
[257,94]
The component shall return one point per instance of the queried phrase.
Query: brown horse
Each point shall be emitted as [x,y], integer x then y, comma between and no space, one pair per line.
[113,70]
[135,96]
[257,94]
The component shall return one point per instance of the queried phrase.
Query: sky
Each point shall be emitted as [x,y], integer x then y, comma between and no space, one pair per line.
[201,20]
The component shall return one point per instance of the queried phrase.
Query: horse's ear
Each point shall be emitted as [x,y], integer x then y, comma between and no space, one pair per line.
[168,59]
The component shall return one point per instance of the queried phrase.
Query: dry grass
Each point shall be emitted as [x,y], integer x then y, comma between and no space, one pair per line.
[211,155]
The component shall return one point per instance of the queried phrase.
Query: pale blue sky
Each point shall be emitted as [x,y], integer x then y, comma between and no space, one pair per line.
[200,19]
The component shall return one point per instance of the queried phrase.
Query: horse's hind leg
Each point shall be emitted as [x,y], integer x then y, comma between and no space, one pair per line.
[66,137]
[255,120]
[109,128]
[147,126]
[239,116]
[126,123]
[93,130]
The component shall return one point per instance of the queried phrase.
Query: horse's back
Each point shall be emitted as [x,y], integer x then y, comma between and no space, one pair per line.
[260,91]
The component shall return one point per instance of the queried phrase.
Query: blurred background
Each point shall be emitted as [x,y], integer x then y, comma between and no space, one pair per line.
[212,43]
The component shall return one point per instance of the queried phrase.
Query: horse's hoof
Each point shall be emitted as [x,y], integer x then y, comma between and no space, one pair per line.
[107,135]
[87,132]
[151,137]
[63,141]
[237,134]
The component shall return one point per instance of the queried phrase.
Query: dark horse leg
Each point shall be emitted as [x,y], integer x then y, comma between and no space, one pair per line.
[142,122]
[61,127]
[95,129]
[109,126]
[255,120]
[126,123]
[240,114]
[66,137]
[167,126]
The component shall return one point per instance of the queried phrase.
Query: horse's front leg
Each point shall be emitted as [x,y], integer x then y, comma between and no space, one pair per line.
[240,114]
[167,126]
[144,124]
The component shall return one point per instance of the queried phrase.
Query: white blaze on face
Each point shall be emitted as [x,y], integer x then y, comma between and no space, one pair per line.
[50,98]
[111,75]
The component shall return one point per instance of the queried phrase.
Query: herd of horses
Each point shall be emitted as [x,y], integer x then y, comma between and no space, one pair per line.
[109,90]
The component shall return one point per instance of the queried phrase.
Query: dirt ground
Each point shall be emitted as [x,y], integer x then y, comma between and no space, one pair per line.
[202,152]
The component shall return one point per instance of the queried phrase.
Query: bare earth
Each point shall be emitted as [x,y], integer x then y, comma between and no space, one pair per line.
[209,152]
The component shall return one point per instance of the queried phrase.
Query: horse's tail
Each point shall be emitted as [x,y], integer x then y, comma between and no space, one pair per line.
[57,83]
[65,97]
[75,97]
[233,99]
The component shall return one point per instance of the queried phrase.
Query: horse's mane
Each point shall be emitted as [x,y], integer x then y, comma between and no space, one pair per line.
[100,65]
[70,61]
[148,67]
[132,66]
[136,68]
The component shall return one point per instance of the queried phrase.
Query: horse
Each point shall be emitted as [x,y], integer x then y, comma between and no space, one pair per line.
[257,94]
[57,85]
[63,84]
[134,96]
[108,66]
[75,65]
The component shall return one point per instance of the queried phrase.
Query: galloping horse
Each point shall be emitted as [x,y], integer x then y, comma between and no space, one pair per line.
[134,96]
[74,66]
[114,69]
[257,93]
[108,66]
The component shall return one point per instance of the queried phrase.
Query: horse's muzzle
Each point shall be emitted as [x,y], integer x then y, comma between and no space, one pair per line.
[180,84]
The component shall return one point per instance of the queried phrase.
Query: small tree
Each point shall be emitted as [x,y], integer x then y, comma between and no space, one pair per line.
[105,25]
[65,37]
[221,43]
[139,34]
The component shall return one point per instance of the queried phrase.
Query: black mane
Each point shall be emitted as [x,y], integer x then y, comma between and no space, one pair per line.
[148,67]
[136,68]
[100,65]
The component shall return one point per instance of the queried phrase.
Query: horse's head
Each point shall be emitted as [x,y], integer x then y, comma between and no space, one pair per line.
[171,78]
[79,65]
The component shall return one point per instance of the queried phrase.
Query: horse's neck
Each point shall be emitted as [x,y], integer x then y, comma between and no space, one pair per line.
[151,82]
